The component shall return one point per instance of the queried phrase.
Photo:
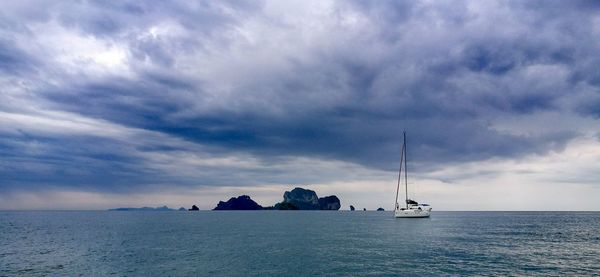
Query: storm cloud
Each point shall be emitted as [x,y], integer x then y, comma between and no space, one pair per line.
[128,95]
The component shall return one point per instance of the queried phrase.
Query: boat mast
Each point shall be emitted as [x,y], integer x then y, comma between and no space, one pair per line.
[405,171]
[399,177]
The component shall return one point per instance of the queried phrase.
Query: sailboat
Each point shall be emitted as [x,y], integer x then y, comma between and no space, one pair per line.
[412,208]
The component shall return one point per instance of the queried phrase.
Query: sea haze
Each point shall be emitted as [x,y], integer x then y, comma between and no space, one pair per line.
[297,243]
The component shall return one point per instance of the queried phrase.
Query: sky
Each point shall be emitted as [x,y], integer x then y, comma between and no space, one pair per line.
[109,104]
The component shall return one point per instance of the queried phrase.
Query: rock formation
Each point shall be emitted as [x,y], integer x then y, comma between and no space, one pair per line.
[329,203]
[380,209]
[297,199]
[285,206]
[305,199]
[242,202]
[194,208]
[352,208]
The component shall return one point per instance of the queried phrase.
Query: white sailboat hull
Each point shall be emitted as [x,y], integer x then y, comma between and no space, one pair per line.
[412,213]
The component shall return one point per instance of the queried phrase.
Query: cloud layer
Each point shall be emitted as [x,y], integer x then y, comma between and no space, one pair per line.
[120,97]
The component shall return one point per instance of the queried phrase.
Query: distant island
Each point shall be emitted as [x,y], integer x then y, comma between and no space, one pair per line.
[297,199]
[151,209]
[242,202]
[305,199]
[145,209]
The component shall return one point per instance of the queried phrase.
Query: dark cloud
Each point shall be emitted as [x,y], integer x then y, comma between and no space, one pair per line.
[34,162]
[13,60]
[265,85]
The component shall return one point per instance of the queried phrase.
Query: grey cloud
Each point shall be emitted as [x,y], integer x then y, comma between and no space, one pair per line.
[13,60]
[443,72]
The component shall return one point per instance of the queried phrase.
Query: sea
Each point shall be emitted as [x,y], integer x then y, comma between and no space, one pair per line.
[298,243]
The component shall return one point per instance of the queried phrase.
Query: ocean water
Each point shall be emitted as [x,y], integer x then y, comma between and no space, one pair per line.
[298,243]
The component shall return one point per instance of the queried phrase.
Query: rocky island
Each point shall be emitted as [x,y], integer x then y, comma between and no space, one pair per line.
[297,199]
[242,202]
[329,203]
[305,199]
